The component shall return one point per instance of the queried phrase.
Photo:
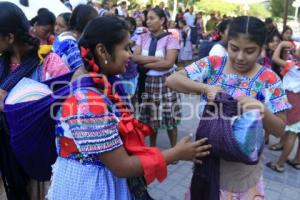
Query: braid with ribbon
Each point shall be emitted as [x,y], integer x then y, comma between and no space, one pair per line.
[131,130]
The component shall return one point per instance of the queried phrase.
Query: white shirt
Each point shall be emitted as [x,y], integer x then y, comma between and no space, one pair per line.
[189,18]
[218,50]
[291,80]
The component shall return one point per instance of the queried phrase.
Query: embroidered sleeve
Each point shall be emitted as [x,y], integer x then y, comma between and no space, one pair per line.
[92,126]
[199,70]
[274,94]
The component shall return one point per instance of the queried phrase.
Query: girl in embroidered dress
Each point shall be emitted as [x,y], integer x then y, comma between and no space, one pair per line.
[92,158]
[251,84]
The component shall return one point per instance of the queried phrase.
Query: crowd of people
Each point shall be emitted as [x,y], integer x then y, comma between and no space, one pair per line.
[118,72]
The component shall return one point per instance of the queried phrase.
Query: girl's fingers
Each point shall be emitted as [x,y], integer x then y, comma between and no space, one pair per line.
[200,142]
[202,154]
[203,148]
[198,161]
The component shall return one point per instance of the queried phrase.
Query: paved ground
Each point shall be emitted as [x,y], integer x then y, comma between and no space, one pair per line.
[284,186]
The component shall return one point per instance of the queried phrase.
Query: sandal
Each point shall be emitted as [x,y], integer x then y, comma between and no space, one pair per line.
[275,167]
[276,147]
[293,164]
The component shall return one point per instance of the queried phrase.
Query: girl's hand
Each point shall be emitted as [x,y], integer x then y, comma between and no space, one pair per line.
[191,151]
[249,103]
[212,91]
[286,44]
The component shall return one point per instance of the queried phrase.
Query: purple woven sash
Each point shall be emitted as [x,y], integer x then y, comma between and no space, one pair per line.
[218,129]
[32,129]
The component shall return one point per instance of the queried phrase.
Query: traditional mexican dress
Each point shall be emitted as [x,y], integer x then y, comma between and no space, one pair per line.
[239,180]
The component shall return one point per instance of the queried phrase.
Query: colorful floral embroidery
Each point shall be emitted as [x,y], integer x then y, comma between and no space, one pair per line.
[266,86]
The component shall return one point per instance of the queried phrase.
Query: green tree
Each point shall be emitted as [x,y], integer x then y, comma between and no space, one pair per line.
[277,8]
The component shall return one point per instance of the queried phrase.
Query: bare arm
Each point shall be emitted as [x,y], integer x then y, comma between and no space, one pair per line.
[276,55]
[181,83]
[166,63]
[123,165]
[142,60]
[274,123]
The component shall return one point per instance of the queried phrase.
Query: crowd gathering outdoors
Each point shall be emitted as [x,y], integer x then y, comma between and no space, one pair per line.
[80,92]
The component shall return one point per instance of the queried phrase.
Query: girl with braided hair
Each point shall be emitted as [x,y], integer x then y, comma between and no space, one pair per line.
[20,57]
[98,140]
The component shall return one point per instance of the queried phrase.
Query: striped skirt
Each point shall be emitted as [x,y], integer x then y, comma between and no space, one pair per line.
[160,106]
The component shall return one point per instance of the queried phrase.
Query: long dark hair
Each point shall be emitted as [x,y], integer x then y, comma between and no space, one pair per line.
[109,31]
[43,18]
[13,21]
[253,27]
[80,17]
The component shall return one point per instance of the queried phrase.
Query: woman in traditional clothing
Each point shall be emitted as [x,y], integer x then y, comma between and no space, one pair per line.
[98,140]
[253,85]
[156,52]
[65,44]
[20,57]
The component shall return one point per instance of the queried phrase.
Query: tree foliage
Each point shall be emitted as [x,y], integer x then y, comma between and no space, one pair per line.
[277,8]
[231,8]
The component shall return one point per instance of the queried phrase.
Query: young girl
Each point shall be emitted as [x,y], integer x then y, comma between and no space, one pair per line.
[157,51]
[251,84]
[291,83]
[272,42]
[20,58]
[219,48]
[92,161]
[65,45]
[186,50]
[286,35]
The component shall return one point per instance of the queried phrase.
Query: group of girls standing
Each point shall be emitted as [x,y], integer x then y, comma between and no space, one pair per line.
[99,142]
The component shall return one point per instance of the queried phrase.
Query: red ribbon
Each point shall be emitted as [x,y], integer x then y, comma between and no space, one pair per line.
[132,131]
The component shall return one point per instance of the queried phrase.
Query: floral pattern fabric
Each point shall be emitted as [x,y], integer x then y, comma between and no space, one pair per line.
[265,86]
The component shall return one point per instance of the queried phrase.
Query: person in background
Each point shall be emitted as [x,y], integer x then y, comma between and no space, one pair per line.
[157,51]
[122,9]
[172,28]
[21,57]
[272,42]
[65,45]
[219,49]
[179,15]
[291,83]
[286,35]
[199,24]
[186,47]
[43,26]
[62,23]
[271,28]
[189,17]
[234,74]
